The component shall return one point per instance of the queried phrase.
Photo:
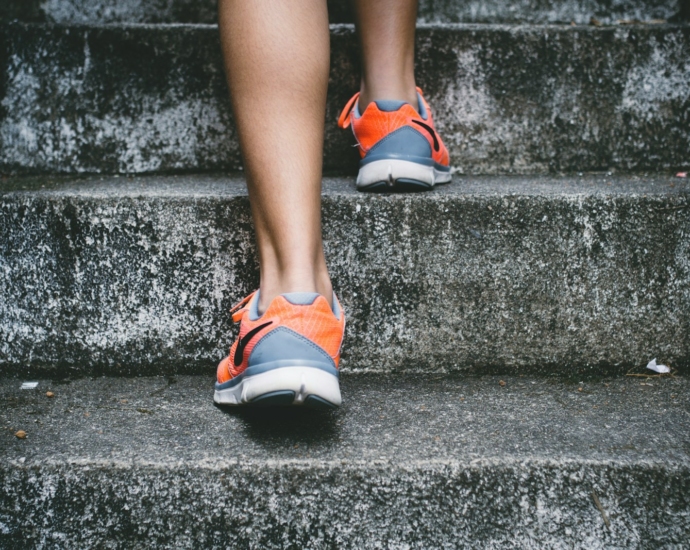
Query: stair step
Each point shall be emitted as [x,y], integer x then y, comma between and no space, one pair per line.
[447,11]
[407,462]
[507,99]
[551,275]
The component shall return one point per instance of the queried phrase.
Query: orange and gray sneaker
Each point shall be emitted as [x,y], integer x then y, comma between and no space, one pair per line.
[399,147]
[287,356]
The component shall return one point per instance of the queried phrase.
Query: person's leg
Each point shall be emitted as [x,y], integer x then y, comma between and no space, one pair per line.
[386,31]
[399,147]
[277,56]
[288,346]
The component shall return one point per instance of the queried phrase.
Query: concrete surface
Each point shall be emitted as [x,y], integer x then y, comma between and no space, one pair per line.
[408,462]
[438,11]
[490,274]
[506,99]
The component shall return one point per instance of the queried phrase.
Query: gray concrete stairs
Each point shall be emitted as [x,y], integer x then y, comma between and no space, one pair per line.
[105,275]
[507,98]
[430,11]
[407,462]
[557,261]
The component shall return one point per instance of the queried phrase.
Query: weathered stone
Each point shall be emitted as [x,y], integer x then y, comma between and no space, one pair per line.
[97,12]
[546,11]
[490,274]
[436,11]
[507,99]
[405,463]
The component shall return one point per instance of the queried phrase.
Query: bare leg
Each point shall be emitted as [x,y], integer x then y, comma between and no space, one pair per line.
[386,33]
[276,56]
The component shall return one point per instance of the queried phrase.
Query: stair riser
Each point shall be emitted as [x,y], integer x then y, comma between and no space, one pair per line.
[551,283]
[527,505]
[522,100]
[446,11]
[429,462]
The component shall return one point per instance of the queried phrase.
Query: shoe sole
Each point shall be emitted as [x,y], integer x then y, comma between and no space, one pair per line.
[396,175]
[295,385]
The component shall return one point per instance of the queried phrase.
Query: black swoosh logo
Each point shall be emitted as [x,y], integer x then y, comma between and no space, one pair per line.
[239,351]
[431,132]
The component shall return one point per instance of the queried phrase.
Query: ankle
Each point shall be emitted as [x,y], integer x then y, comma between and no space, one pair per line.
[272,287]
[399,92]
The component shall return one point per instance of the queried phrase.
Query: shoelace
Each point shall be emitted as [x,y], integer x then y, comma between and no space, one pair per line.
[238,309]
[344,119]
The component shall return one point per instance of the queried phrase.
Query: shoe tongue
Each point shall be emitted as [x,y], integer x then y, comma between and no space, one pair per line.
[301,298]
[389,105]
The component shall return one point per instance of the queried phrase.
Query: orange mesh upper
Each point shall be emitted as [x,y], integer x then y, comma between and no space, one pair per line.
[315,322]
[375,124]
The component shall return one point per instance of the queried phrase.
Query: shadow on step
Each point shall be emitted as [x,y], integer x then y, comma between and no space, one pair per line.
[287,425]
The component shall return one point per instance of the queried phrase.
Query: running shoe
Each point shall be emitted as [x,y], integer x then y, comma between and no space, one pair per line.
[287,356]
[399,147]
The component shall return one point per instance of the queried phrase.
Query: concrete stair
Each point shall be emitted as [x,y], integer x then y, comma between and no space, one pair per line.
[557,260]
[505,274]
[430,11]
[508,99]
[408,462]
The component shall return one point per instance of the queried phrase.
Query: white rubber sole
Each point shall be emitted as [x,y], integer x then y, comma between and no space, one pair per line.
[309,384]
[389,171]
